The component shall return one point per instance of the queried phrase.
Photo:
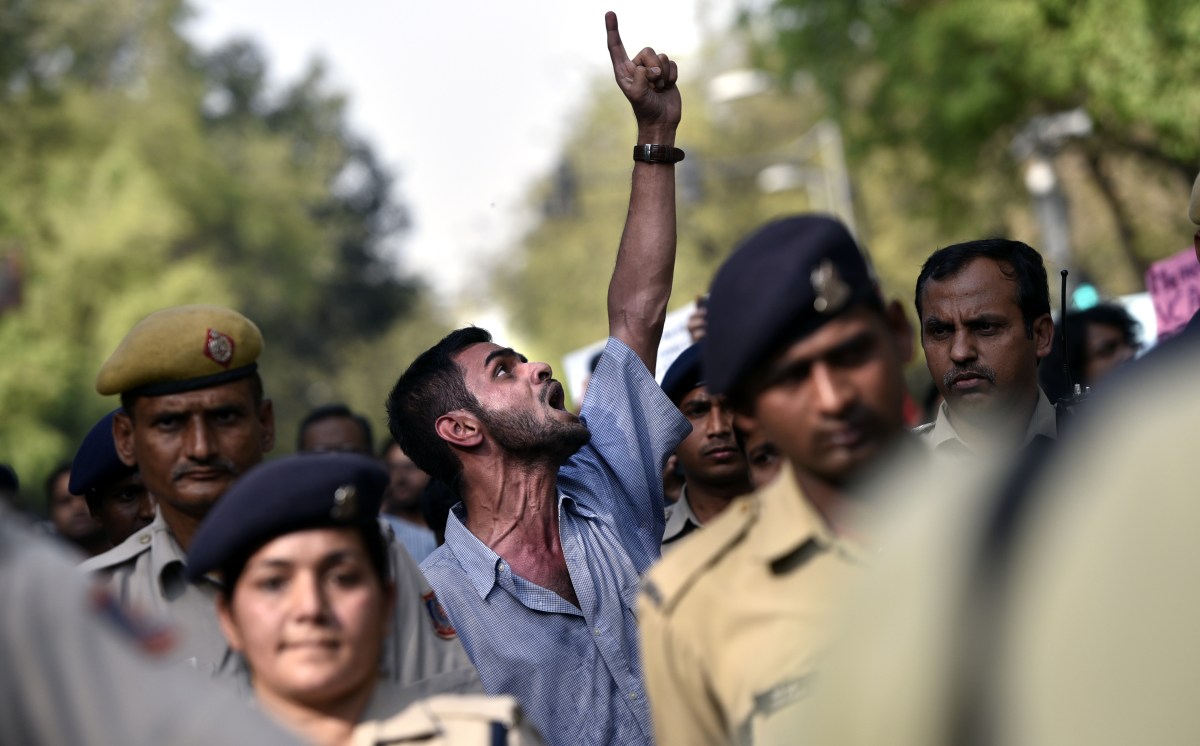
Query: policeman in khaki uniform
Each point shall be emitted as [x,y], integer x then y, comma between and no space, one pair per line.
[734,620]
[193,420]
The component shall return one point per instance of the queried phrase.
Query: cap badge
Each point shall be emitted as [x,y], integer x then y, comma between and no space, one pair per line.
[345,502]
[830,289]
[218,347]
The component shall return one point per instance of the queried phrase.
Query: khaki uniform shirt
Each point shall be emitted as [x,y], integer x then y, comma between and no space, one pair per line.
[445,720]
[733,621]
[681,521]
[79,669]
[944,440]
[146,572]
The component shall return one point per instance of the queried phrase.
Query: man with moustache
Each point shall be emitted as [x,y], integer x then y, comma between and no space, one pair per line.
[560,513]
[984,310]
[193,419]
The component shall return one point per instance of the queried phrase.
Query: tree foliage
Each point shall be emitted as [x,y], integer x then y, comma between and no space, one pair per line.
[933,92]
[140,173]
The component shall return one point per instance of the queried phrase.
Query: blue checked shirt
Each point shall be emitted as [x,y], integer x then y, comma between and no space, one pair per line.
[577,672]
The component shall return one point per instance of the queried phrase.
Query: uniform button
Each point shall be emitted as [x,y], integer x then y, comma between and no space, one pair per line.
[144,539]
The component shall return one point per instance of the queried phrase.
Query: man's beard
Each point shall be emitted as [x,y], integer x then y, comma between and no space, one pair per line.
[522,435]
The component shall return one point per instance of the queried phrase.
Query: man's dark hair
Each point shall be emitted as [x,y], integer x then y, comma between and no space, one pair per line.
[1076,325]
[330,411]
[1018,262]
[128,401]
[62,468]
[432,386]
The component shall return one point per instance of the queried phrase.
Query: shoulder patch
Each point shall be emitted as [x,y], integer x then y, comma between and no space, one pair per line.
[133,546]
[437,615]
[669,579]
[152,638]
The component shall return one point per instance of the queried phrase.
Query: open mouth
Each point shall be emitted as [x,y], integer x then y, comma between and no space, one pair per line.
[555,396]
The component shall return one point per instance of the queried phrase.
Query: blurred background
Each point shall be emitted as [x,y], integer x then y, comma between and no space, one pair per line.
[360,177]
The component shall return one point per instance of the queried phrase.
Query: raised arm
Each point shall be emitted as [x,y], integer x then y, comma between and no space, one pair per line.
[641,281]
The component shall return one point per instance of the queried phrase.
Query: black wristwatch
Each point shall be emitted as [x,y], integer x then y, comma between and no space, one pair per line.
[657,154]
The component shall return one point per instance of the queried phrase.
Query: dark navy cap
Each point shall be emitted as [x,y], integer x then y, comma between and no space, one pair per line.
[782,282]
[684,373]
[294,493]
[96,464]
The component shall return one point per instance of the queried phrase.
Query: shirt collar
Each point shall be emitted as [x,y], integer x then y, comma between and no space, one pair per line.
[679,515]
[1044,422]
[165,552]
[786,520]
[477,559]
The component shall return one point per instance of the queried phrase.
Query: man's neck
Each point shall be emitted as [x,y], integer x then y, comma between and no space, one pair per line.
[513,509]
[708,500]
[183,526]
[1003,432]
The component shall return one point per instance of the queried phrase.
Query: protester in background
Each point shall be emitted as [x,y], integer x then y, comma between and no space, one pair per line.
[306,599]
[334,427]
[402,506]
[114,491]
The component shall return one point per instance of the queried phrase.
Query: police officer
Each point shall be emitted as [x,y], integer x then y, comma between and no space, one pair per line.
[714,467]
[114,491]
[306,588]
[804,347]
[79,670]
[193,419]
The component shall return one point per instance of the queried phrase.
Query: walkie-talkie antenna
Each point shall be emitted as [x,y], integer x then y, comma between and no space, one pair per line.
[1062,319]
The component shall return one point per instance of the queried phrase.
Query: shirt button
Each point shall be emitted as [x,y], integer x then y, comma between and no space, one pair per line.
[633,695]
[597,631]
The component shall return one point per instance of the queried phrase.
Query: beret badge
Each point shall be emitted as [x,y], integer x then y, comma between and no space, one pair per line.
[345,503]
[830,290]
[219,348]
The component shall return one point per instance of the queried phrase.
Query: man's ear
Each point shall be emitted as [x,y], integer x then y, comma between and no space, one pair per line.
[266,416]
[229,626]
[459,428]
[1043,335]
[897,322]
[122,429]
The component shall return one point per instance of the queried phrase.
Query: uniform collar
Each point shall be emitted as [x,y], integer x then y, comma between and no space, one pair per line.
[787,521]
[380,723]
[1044,422]
[679,515]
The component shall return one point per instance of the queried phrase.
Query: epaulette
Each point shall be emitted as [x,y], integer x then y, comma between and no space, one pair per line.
[125,551]
[923,429]
[669,580]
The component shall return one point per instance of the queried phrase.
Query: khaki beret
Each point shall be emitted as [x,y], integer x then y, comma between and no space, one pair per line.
[1194,207]
[182,349]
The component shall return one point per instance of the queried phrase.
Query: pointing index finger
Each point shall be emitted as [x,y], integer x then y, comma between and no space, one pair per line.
[616,49]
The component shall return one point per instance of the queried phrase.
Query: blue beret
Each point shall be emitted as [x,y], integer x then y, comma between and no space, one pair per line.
[294,493]
[684,373]
[782,282]
[96,464]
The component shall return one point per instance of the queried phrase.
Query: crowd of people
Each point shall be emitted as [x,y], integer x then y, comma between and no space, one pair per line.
[762,549]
